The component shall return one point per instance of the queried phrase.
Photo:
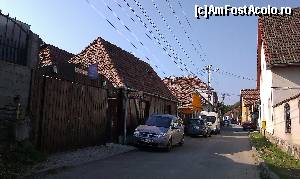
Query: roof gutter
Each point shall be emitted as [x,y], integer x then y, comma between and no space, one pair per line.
[283,65]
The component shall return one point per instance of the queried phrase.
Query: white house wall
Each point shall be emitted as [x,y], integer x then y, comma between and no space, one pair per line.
[285,77]
[279,122]
[266,93]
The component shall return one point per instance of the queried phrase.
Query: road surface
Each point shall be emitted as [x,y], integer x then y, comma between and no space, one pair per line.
[222,156]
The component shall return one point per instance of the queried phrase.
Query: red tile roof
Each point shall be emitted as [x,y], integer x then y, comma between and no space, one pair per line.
[184,87]
[250,96]
[50,54]
[281,38]
[122,68]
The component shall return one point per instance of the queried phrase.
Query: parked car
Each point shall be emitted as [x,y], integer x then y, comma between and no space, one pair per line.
[160,131]
[203,114]
[196,127]
[226,122]
[213,122]
[249,125]
[233,121]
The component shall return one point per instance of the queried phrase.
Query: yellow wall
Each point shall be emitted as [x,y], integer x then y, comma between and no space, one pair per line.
[196,105]
[246,112]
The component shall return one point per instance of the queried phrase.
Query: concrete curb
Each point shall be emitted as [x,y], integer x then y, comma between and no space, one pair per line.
[264,169]
[39,172]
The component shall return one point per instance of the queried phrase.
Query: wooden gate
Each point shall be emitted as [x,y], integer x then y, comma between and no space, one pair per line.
[67,115]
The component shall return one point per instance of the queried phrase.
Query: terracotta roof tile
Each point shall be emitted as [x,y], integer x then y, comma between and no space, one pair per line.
[122,68]
[184,87]
[250,96]
[281,37]
[50,54]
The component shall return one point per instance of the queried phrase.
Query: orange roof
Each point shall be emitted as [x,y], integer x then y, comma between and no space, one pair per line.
[250,96]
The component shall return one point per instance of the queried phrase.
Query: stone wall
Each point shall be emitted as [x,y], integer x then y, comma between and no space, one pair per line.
[14,83]
[14,95]
[286,146]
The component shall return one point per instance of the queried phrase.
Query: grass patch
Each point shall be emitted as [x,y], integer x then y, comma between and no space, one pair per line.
[283,164]
[17,161]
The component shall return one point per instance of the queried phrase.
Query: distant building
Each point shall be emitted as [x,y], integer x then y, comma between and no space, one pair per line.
[234,113]
[192,94]
[249,99]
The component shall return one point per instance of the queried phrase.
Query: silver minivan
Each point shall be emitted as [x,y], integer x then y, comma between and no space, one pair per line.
[160,131]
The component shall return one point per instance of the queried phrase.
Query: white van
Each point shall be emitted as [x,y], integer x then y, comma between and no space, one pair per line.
[203,114]
[213,121]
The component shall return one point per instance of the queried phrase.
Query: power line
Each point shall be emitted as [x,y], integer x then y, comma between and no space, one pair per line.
[117,30]
[142,9]
[184,14]
[180,23]
[175,37]
[132,34]
[157,39]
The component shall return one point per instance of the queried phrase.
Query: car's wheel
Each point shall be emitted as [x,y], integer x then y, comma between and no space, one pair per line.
[169,146]
[181,141]
[205,135]
[209,135]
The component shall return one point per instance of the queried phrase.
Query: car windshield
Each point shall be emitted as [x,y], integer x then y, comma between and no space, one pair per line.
[211,119]
[203,116]
[159,121]
[196,122]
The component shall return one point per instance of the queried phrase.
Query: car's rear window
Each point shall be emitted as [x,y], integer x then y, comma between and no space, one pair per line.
[159,121]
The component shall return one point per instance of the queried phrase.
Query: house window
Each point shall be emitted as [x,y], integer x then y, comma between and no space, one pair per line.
[287,118]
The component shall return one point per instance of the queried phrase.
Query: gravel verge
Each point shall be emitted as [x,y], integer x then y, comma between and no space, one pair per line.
[265,171]
[79,157]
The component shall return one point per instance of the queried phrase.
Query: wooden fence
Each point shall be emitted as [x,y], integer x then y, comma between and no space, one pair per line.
[66,115]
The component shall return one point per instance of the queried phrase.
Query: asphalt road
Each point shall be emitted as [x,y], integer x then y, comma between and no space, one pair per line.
[222,156]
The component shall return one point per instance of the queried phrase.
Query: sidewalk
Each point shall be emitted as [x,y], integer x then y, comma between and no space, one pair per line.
[79,157]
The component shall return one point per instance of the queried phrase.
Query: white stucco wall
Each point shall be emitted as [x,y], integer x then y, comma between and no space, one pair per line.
[266,93]
[279,122]
[285,77]
[288,76]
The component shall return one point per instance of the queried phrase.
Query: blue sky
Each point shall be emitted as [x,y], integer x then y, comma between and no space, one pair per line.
[228,43]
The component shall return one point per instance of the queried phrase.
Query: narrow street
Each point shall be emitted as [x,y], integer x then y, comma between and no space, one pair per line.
[227,155]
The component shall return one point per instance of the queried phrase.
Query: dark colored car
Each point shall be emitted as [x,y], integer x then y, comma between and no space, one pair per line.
[226,122]
[233,121]
[249,125]
[160,131]
[196,127]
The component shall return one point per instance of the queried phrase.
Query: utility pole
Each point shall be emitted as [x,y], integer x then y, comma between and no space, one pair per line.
[208,69]
[223,97]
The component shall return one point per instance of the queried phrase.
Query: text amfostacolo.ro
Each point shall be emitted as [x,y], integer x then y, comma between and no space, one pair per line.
[210,10]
